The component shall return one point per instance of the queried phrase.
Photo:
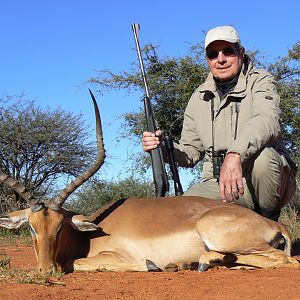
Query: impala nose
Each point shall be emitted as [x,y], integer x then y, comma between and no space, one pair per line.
[50,269]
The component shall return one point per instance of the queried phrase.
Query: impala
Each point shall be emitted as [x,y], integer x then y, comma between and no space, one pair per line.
[138,234]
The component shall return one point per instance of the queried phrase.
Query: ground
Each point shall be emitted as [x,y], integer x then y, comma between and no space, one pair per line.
[217,283]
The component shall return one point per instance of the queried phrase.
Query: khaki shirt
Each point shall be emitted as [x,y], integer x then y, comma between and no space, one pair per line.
[245,121]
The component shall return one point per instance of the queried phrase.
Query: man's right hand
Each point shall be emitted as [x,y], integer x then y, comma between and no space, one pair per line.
[231,178]
[150,140]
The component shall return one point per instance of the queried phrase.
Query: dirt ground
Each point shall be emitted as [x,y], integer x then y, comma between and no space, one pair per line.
[217,283]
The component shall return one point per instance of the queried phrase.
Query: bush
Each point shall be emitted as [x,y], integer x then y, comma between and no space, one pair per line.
[98,193]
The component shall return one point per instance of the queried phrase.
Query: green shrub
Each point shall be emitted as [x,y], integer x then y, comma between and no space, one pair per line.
[98,193]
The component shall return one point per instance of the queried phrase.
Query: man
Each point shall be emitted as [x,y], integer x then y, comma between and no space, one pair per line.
[232,122]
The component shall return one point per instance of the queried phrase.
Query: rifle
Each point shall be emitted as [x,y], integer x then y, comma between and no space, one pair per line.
[159,173]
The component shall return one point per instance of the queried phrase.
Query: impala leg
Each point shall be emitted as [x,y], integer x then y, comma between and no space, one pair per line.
[209,259]
[181,266]
[112,261]
[272,258]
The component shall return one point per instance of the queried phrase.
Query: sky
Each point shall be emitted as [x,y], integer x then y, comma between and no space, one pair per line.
[49,49]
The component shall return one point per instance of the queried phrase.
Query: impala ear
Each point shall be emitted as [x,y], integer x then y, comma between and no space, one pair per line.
[81,223]
[15,219]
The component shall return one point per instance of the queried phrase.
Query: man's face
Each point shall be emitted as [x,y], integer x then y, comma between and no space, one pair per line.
[224,59]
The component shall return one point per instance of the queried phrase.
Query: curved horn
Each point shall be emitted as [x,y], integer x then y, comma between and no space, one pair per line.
[21,190]
[57,203]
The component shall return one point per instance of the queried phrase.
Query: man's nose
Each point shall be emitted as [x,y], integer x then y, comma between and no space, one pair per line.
[221,57]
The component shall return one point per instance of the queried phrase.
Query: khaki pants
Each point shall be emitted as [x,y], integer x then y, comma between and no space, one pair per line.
[269,184]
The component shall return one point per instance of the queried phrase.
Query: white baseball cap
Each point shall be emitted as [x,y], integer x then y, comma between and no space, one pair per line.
[222,33]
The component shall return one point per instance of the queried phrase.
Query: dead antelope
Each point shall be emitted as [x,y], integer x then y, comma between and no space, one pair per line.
[147,234]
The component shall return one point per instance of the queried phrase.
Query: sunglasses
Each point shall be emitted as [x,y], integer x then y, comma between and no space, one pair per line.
[228,51]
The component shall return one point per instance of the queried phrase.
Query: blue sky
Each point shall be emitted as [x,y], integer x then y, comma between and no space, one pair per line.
[49,49]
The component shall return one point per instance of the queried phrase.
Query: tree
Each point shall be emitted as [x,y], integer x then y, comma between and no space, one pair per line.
[286,71]
[39,146]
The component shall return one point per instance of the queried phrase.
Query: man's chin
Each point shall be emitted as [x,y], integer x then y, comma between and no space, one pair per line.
[224,76]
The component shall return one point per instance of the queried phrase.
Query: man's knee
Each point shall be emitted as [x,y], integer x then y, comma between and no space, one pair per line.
[267,166]
[268,183]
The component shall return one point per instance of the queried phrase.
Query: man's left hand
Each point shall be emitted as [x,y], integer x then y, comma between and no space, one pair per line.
[231,178]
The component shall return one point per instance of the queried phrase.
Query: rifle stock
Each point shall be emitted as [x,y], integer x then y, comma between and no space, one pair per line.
[159,173]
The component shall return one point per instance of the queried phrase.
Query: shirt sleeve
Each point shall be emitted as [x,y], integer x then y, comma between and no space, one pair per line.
[264,124]
[190,149]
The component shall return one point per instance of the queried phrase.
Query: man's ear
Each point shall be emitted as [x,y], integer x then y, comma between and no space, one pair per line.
[242,52]
[15,219]
[81,223]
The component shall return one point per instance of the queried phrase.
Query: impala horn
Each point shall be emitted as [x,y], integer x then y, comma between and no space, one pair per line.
[19,188]
[58,202]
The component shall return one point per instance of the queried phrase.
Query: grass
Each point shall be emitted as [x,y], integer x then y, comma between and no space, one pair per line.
[4,260]
[291,220]
[14,237]
[8,274]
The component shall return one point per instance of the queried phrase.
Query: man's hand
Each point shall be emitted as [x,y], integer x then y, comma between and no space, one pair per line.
[231,178]
[151,141]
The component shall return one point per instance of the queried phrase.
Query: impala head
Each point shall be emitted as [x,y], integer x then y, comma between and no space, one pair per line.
[46,220]
[46,227]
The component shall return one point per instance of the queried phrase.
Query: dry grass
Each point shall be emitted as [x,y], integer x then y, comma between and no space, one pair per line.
[31,277]
[4,260]
[291,220]
[9,274]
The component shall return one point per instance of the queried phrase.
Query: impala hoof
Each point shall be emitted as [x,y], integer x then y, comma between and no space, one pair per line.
[203,267]
[171,267]
[151,266]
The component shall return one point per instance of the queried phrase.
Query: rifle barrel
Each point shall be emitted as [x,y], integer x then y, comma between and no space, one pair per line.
[135,29]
